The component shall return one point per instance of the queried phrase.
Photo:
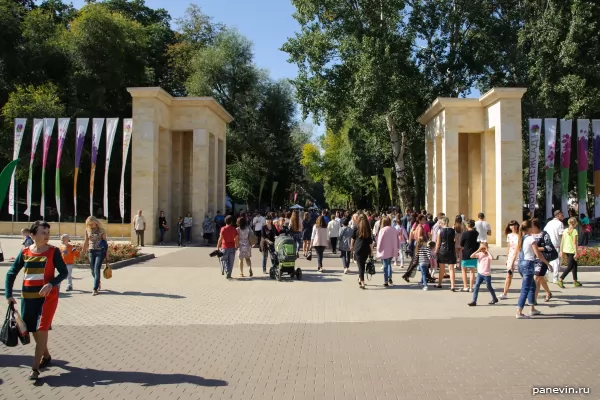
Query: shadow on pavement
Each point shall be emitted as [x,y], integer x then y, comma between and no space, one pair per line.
[78,377]
[160,295]
[568,316]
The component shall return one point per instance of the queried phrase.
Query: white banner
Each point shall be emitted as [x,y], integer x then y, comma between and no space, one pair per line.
[535,126]
[38,124]
[566,129]
[48,129]
[81,131]
[63,126]
[20,124]
[550,152]
[111,129]
[97,125]
[127,130]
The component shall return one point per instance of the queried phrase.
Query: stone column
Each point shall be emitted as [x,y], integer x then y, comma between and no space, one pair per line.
[450,174]
[165,165]
[212,174]
[438,175]
[475,189]
[144,169]
[199,184]
[463,175]
[221,176]
[429,175]
[177,175]
[488,174]
[186,152]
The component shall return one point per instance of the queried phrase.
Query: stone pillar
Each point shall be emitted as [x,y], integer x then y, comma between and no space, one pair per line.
[488,174]
[199,184]
[221,176]
[464,204]
[475,188]
[450,174]
[429,175]
[165,190]
[186,152]
[438,176]
[144,169]
[177,175]
[212,174]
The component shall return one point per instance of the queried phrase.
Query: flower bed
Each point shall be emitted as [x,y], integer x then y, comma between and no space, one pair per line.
[116,252]
[587,256]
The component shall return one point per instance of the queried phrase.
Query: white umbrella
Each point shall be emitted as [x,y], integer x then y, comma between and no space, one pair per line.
[296,207]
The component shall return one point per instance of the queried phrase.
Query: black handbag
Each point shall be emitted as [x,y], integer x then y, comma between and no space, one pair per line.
[9,335]
[550,253]
[370,268]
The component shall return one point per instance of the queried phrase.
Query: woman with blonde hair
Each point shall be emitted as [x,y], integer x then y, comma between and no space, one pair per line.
[95,245]
[446,251]
[568,246]
[296,230]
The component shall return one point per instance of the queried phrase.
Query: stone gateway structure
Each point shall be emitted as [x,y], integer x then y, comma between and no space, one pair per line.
[473,151]
[178,159]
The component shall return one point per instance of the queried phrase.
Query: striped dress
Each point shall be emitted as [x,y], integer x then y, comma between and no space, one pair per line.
[38,269]
[424,255]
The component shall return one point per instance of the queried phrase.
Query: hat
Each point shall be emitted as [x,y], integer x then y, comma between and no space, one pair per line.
[65,236]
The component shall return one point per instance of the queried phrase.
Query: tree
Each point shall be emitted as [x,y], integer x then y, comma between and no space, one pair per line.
[354,63]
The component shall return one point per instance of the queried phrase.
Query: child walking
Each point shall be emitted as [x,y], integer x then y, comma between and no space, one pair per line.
[423,252]
[484,272]
[27,240]
[69,254]
[345,238]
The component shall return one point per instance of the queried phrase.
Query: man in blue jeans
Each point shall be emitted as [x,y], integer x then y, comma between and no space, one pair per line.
[228,243]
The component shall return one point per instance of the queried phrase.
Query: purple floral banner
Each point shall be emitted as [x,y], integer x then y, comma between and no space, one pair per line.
[566,128]
[596,136]
[550,151]
[97,126]
[583,128]
[534,154]
[81,127]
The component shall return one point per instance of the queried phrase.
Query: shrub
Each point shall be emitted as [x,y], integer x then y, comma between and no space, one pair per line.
[587,256]
[116,252]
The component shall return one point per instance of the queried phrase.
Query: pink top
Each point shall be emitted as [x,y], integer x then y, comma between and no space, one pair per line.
[402,234]
[388,243]
[484,264]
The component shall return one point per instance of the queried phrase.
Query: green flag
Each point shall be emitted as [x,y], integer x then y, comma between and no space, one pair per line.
[376,182]
[262,186]
[5,178]
[273,191]
[387,172]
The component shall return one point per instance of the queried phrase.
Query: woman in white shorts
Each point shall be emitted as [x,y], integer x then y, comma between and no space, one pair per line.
[512,259]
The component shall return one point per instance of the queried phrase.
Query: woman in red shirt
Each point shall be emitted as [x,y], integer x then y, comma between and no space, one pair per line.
[228,244]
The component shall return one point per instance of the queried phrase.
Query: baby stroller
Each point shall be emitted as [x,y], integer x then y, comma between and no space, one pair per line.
[283,254]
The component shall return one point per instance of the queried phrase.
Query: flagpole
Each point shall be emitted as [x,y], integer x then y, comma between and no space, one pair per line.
[122,227]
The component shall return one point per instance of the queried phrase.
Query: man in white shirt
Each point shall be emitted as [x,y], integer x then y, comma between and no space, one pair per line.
[555,229]
[483,228]
[436,227]
[258,222]
[333,232]
[139,225]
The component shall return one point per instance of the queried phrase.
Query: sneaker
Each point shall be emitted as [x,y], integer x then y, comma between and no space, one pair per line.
[381,268]
[555,282]
[470,290]
[390,282]
[401,265]
[386,284]
[396,264]
[522,316]
[535,312]
[494,301]
[577,284]
[425,288]
[503,297]
[345,270]
[69,288]
[560,284]
[472,304]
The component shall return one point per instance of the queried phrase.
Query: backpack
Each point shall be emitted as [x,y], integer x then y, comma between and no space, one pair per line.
[345,237]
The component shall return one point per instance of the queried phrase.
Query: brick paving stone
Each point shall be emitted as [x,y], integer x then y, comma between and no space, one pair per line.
[175,328]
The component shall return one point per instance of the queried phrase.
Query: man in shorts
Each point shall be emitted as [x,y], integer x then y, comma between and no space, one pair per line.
[483,228]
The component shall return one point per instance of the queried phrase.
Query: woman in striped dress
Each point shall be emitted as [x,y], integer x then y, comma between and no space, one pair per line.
[39,294]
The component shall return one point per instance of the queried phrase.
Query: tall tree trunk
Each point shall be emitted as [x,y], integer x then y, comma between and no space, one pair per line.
[416,186]
[405,192]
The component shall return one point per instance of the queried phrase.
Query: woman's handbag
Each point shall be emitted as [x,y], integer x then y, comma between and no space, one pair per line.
[550,253]
[23,332]
[107,273]
[9,335]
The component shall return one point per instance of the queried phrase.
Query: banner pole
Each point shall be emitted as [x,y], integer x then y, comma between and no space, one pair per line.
[122,227]
[75,225]
[12,226]
[58,225]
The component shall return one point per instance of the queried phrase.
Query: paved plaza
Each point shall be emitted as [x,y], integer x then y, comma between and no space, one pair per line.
[174,328]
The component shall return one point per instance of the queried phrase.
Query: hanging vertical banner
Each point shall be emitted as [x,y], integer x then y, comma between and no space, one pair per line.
[534,155]
[596,135]
[127,130]
[566,129]
[273,190]
[19,130]
[38,124]
[583,129]
[550,151]
[387,173]
[262,186]
[81,131]
[63,126]
[97,125]
[48,128]
[111,129]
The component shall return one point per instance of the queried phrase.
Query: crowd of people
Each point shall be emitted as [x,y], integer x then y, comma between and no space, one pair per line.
[435,246]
